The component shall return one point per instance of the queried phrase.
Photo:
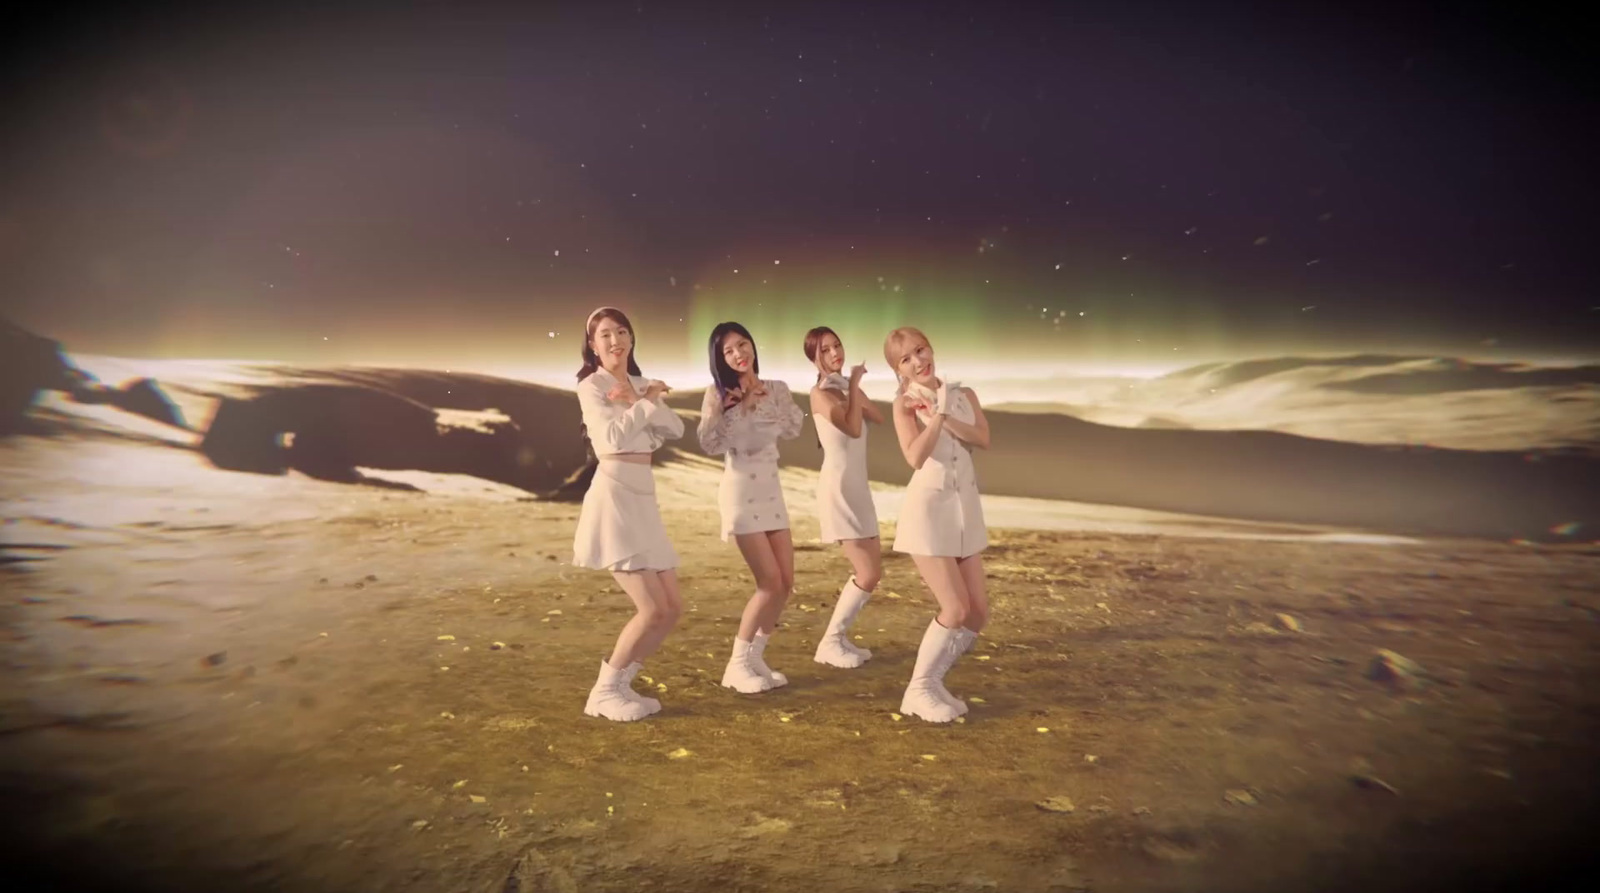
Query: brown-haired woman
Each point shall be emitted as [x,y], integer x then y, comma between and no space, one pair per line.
[620,527]
[844,499]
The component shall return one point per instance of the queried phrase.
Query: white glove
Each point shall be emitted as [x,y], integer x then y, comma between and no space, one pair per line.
[942,407]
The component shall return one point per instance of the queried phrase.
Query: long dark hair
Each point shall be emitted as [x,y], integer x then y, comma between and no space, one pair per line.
[723,375]
[591,360]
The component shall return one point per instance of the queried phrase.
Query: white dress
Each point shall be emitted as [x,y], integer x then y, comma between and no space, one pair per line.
[844,500]
[942,514]
[749,495]
[620,526]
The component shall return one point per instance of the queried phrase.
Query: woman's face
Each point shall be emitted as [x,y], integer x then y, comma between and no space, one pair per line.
[917,364]
[830,354]
[611,342]
[738,352]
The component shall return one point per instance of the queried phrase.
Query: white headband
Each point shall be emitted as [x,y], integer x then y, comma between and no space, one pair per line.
[597,311]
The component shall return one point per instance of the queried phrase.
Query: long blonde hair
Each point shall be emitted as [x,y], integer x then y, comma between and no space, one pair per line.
[895,349]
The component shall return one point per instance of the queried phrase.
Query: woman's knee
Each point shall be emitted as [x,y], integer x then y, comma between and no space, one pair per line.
[977,616]
[659,615]
[954,616]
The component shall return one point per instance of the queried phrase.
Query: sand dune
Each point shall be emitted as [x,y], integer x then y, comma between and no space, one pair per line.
[340,424]
[1368,398]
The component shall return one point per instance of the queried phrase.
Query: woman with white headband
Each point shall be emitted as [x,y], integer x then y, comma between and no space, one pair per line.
[742,419]
[625,420]
[844,499]
[941,518]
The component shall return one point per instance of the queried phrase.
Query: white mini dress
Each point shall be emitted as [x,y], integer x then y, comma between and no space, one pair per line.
[844,499]
[749,495]
[942,514]
[620,528]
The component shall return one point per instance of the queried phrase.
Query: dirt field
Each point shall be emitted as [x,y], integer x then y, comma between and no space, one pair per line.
[291,685]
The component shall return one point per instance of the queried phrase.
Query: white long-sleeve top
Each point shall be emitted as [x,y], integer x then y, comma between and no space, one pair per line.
[615,427]
[745,431]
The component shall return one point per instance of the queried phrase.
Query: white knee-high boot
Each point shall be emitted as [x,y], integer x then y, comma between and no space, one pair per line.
[926,696]
[836,649]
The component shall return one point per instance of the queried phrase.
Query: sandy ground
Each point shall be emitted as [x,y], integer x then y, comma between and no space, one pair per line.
[248,683]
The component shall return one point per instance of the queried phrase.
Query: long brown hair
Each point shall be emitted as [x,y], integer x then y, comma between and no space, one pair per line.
[814,343]
[591,360]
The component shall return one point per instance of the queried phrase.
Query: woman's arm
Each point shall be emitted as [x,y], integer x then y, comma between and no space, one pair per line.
[844,413]
[916,447]
[713,428]
[606,421]
[975,434]
[790,418]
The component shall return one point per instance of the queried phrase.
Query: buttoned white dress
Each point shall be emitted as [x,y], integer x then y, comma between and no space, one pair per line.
[749,495]
[942,514]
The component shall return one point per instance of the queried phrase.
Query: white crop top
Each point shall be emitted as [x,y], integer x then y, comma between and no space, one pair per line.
[615,428]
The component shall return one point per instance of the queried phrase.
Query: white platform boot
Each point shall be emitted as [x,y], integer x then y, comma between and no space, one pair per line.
[926,697]
[610,697]
[650,704]
[741,675]
[758,660]
[964,639]
[835,649]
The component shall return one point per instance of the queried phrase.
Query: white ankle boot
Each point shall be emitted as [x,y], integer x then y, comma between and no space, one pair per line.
[609,697]
[836,649]
[758,660]
[650,704]
[741,674]
[926,697]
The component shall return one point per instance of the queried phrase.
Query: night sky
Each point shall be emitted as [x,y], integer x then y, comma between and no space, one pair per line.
[1100,183]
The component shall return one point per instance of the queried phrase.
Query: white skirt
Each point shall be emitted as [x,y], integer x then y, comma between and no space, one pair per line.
[844,505]
[620,527]
[750,499]
[944,521]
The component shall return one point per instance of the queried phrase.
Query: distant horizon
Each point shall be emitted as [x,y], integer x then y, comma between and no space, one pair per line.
[686,377]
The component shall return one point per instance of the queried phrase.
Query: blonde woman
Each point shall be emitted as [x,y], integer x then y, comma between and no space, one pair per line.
[941,519]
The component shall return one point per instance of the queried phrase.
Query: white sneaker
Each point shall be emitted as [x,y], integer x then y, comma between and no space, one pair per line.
[758,649]
[608,699]
[740,675]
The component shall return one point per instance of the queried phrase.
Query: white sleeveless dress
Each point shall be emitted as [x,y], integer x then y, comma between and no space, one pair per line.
[942,514]
[844,499]
[749,495]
